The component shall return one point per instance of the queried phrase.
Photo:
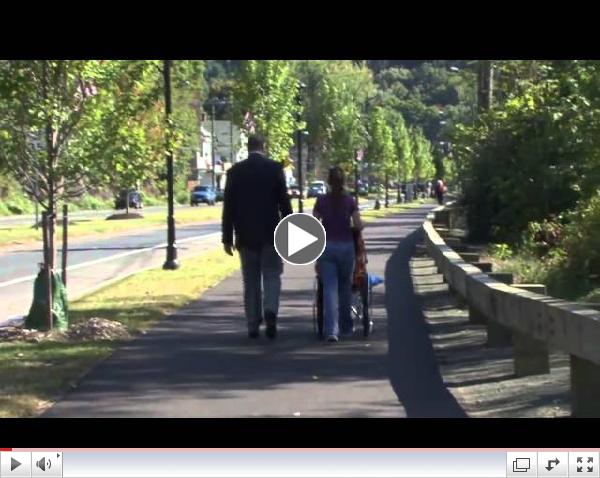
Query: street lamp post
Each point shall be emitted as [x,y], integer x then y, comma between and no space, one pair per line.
[356,180]
[358,157]
[212,143]
[300,176]
[231,133]
[171,262]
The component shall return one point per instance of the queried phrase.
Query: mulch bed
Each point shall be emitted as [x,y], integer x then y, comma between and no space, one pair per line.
[91,330]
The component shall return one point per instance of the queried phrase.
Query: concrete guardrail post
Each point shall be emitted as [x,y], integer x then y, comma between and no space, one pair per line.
[531,356]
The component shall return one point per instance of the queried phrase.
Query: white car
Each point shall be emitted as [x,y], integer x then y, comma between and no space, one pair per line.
[315,188]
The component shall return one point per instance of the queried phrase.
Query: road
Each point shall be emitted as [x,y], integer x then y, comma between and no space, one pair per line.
[92,262]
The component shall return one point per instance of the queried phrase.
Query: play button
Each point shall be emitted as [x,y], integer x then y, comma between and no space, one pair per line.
[15,464]
[299,239]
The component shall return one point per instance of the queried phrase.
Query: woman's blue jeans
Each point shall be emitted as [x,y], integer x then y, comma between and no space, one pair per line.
[336,266]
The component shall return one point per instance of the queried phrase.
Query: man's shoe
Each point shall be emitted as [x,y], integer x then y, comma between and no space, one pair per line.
[271,331]
[271,320]
[253,334]
[332,338]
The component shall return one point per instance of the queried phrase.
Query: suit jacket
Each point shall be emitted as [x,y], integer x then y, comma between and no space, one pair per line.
[255,200]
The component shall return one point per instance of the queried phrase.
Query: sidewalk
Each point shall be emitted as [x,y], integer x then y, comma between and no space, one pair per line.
[200,363]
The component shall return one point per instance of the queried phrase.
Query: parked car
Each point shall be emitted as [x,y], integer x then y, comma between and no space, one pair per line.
[203,194]
[132,196]
[363,189]
[315,188]
[220,195]
[294,191]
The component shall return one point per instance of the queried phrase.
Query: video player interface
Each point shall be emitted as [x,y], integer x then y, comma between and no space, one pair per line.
[297,463]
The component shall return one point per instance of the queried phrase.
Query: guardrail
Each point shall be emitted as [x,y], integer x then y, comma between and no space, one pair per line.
[523,316]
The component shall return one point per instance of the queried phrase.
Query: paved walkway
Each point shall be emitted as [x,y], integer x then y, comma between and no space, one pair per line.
[200,363]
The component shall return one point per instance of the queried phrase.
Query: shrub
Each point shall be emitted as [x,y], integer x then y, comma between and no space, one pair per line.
[501,251]
[542,237]
[582,236]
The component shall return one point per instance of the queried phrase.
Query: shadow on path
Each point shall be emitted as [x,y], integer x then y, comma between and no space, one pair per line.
[414,371]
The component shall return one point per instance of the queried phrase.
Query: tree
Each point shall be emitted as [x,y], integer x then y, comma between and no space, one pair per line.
[423,157]
[126,137]
[318,110]
[403,150]
[66,125]
[336,91]
[345,137]
[427,94]
[380,148]
[541,135]
[268,90]
[189,89]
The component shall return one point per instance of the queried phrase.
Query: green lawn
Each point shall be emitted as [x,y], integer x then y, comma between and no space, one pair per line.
[372,214]
[33,375]
[81,228]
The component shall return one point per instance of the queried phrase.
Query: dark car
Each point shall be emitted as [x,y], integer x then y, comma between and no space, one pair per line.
[133,197]
[220,195]
[203,194]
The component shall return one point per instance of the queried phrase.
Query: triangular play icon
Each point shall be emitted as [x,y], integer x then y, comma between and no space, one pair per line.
[298,239]
[14,464]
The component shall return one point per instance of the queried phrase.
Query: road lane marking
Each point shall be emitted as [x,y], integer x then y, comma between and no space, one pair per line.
[112,258]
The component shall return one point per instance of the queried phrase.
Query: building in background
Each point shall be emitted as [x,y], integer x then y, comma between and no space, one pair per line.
[230,147]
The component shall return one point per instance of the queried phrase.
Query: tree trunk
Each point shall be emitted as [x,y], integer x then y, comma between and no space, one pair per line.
[387,197]
[49,237]
[46,270]
[51,163]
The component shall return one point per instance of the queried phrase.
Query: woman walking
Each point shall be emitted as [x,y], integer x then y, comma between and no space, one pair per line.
[339,213]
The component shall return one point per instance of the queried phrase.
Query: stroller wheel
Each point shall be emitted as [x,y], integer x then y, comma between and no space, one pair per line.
[365,293]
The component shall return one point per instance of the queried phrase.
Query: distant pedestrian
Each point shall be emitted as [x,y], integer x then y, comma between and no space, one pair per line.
[440,190]
[255,200]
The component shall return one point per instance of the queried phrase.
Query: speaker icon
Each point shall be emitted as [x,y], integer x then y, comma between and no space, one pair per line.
[43,464]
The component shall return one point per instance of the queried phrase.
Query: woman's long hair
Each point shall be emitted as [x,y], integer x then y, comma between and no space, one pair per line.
[335,180]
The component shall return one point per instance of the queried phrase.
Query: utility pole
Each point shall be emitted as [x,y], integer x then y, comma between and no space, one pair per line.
[484,85]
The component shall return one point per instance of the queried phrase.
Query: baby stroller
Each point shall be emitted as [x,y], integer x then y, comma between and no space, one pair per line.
[362,292]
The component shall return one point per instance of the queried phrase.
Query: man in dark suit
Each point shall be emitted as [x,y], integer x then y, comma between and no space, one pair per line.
[255,201]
